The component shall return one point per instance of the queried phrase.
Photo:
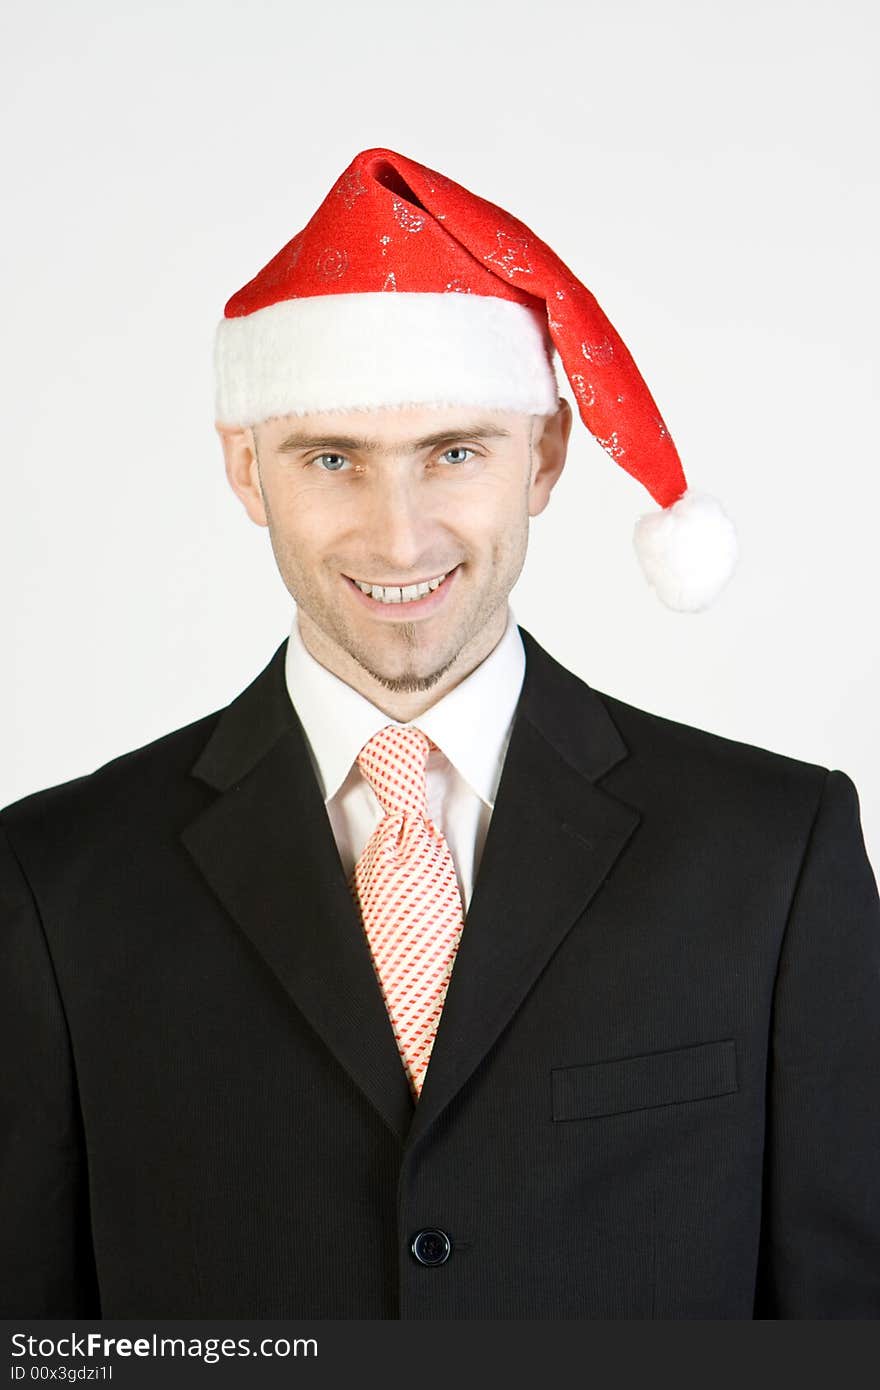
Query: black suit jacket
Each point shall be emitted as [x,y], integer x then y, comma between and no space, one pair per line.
[654,1089]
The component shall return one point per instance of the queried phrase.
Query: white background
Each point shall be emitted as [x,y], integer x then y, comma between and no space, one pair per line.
[708,170]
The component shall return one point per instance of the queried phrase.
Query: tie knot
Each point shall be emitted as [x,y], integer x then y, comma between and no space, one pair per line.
[394,762]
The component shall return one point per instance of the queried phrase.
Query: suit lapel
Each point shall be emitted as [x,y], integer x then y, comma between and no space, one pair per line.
[266,848]
[552,840]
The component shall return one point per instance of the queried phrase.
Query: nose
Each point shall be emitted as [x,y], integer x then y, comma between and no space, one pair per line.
[399,525]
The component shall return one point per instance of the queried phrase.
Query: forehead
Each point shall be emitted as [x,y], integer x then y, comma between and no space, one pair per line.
[392,429]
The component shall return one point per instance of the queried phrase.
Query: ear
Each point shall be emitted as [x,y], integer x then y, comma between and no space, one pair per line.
[549,446]
[242,469]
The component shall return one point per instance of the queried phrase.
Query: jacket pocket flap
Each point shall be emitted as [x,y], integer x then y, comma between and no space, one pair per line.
[637,1083]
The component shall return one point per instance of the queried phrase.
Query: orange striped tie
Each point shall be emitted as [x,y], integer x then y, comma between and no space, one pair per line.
[406,889]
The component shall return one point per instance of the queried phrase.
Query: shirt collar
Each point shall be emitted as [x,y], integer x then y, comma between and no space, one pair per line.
[471,724]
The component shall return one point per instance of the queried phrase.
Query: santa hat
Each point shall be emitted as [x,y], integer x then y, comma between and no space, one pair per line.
[404,288]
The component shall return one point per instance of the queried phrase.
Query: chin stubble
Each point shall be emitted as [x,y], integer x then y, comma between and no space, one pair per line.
[409,682]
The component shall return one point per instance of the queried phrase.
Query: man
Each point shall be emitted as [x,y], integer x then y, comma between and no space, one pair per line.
[423,980]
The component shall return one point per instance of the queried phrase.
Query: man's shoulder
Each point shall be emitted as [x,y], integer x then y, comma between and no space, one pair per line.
[152,780]
[142,795]
[676,759]
[651,734]
[713,787]
[149,769]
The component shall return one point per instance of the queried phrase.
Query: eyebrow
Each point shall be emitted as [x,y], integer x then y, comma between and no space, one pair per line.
[362,445]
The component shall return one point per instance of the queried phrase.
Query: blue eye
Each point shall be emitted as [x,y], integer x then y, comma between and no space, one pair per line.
[334,466]
[457,449]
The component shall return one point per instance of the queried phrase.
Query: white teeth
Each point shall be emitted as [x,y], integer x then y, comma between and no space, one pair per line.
[393,594]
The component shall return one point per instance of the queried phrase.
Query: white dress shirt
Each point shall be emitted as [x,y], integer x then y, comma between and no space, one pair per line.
[471,726]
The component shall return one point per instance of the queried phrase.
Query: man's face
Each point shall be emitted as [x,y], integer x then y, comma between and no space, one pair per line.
[397,500]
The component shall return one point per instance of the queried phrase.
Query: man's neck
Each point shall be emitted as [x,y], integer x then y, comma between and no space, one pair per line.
[400,705]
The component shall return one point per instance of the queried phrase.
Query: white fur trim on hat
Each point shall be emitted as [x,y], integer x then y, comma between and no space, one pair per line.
[687,551]
[366,351]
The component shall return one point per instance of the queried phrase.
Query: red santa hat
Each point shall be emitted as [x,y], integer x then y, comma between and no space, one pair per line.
[405,288]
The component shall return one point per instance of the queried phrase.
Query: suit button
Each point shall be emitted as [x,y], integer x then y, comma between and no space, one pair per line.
[431,1247]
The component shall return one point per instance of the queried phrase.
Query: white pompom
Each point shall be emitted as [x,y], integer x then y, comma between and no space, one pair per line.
[687,551]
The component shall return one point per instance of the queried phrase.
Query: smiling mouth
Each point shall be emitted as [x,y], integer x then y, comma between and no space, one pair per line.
[401,593]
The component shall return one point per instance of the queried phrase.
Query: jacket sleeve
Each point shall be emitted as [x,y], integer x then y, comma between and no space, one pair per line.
[820,1245]
[47,1267]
